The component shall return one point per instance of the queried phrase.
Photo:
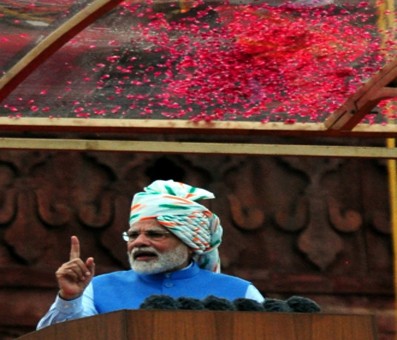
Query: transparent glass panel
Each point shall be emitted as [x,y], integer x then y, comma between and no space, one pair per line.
[24,23]
[267,61]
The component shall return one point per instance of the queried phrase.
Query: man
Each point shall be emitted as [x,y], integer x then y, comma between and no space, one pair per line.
[172,246]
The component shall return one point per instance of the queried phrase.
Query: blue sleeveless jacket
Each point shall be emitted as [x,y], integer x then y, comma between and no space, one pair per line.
[127,289]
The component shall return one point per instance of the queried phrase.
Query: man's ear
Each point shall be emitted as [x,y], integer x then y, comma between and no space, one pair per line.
[192,255]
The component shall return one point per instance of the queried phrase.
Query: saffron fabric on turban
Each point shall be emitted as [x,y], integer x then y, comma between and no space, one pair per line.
[174,206]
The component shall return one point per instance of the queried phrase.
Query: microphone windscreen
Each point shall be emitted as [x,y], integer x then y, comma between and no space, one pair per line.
[302,304]
[276,305]
[159,302]
[215,303]
[243,304]
[190,303]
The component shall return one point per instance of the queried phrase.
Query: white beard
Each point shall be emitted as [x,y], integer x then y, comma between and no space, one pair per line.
[164,262]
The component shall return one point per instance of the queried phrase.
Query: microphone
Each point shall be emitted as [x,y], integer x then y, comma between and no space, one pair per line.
[243,304]
[215,303]
[276,305]
[159,302]
[190,303]
[302,304]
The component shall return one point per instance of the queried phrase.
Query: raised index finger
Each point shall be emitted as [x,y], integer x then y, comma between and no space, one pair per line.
[74,248]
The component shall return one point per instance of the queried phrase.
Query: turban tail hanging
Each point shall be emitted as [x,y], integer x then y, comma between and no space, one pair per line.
[174,206]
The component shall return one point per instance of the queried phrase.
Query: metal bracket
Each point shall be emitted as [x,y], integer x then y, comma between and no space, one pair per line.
[381,86]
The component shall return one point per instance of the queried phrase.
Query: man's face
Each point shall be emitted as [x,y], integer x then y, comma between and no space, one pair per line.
[152,249]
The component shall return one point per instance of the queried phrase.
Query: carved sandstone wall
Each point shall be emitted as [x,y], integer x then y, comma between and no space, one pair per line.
[315,227]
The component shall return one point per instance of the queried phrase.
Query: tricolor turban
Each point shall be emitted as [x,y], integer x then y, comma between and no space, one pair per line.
[174,206]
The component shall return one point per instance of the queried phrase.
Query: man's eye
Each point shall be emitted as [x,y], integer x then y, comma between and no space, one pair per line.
[154,234]
[133,236]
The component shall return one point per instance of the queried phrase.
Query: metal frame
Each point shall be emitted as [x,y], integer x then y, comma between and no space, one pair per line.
[343,123]
[199,148]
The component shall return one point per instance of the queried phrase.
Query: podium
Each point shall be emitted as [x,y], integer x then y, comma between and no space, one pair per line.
[210,325]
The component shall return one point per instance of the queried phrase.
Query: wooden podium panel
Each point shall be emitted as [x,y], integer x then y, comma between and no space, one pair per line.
[211,325]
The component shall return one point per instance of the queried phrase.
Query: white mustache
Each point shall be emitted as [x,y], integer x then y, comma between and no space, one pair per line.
[143,250]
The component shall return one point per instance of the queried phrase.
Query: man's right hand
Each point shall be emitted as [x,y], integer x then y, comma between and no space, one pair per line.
[75,275]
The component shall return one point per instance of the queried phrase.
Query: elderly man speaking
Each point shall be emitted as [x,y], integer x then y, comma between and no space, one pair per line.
[172,246]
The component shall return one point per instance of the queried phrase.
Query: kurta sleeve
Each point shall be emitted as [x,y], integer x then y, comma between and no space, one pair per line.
[63,310]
